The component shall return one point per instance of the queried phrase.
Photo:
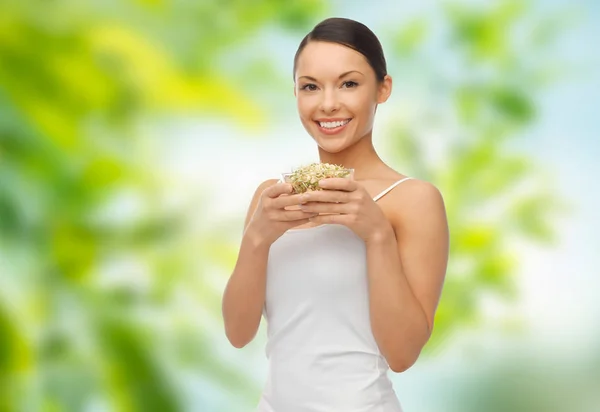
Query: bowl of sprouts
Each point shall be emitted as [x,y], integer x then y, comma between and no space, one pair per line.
[306,178]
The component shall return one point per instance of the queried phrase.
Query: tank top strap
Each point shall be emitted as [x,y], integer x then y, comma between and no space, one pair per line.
[386,191]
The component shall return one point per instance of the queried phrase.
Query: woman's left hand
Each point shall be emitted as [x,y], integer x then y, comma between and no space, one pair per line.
[350,205]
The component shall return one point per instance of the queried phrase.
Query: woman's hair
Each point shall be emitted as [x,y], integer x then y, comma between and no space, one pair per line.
[349,33]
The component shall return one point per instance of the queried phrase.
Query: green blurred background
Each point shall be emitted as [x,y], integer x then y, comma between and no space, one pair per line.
[133,134]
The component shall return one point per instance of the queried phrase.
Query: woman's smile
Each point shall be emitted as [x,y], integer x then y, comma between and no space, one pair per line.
[332,126]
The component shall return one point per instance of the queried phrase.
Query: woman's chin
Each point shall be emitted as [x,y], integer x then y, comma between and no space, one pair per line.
[332,145]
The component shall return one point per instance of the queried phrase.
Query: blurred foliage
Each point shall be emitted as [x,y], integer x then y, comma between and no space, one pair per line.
[94,281]
[519,379]
[496,197]
[107,290]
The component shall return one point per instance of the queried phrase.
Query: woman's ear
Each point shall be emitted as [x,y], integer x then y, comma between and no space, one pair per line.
[385,89]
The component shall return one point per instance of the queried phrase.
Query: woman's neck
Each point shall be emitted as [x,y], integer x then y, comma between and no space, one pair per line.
[361,157]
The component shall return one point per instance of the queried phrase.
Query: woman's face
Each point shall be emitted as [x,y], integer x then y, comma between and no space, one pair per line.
[337,94]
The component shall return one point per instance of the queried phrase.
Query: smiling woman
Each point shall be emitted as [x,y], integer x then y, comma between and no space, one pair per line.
[341,76]
[356,298]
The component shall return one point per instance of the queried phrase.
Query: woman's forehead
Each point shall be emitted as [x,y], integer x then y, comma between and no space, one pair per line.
[323,58]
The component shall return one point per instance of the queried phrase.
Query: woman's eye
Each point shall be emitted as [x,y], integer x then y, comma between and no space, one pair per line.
[349,84]
[309,87]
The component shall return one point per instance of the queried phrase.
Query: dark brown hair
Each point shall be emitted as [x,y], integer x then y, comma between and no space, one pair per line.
[348,33]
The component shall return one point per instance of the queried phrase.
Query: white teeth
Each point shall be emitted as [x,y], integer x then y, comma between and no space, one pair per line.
[331,125]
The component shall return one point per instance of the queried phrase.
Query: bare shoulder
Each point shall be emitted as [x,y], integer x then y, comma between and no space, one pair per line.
[418,191]
[417,199]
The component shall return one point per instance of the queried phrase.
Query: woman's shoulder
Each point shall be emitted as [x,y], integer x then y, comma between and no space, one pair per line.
[389,181]
[414,200]
[411,189]
[409,194]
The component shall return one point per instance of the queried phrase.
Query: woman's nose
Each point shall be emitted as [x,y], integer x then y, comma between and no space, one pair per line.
[329,102]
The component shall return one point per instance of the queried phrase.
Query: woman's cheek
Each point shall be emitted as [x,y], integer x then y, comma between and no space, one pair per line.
[304,104]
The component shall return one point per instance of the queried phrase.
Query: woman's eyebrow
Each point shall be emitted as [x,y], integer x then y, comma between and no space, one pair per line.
[341,75]
[347,73]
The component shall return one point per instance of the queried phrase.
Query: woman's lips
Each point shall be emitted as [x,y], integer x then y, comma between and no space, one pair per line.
[332,130]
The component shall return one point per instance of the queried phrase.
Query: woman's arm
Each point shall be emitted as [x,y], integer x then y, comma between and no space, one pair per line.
[406,264]
[244,295]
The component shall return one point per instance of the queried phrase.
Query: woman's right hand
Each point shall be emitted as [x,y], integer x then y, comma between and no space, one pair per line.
[276,212]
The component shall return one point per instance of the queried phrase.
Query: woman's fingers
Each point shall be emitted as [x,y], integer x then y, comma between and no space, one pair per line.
[327,207]
[331,196]
[277,190]
[290,215]
[285,201]
[339,183]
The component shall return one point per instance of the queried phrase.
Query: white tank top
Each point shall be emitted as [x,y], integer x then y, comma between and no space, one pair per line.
[321,350]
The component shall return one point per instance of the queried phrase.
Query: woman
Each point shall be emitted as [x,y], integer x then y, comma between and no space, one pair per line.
[351,293]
